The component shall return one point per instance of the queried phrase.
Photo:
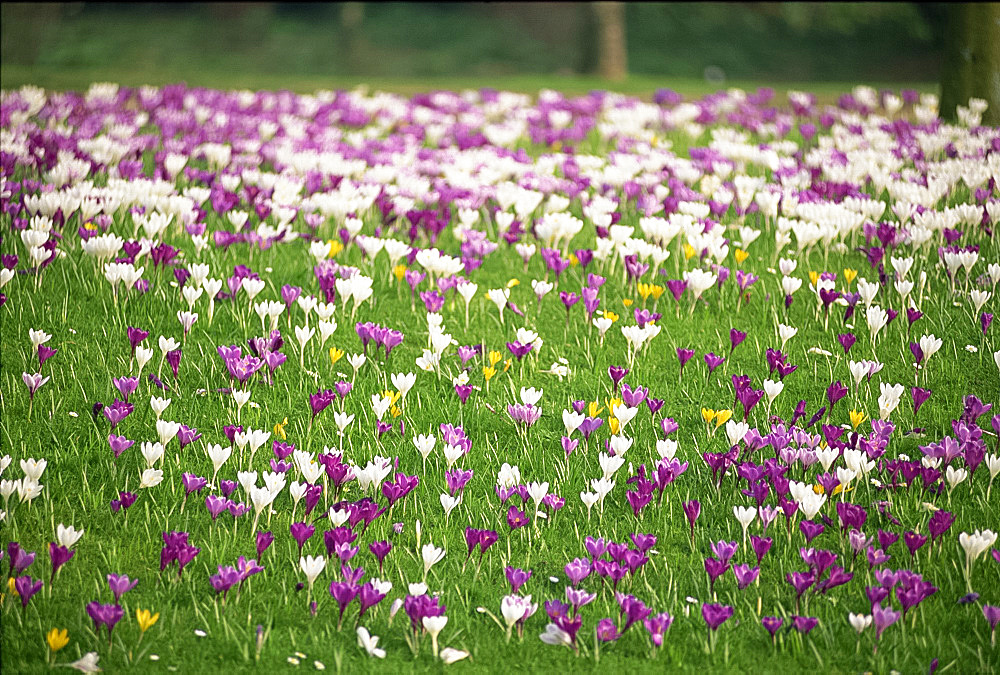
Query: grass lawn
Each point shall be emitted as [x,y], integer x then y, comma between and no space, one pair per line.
[63,79]
[199,630]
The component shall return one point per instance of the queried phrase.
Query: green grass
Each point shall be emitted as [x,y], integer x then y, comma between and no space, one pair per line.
[88,327]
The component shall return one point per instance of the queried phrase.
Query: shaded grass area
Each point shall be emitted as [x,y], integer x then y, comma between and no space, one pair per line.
[78,79]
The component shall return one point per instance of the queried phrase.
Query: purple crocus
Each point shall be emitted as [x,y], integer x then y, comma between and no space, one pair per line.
[992,614]
[771,624]
[684,355]
[692,509]
[107,615]
[59,555]
[343,592]
[380,549]
[804,624]
[264,541]
[713,361]
[301,532]
[26,587]
[715,615]
[920,396]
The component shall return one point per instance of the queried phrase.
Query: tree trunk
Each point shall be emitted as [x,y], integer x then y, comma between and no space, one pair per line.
[352,15]
[612,60]
[972,59]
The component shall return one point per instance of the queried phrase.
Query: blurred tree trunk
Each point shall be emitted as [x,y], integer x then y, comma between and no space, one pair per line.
[972,59]
[612,59]
[352,15]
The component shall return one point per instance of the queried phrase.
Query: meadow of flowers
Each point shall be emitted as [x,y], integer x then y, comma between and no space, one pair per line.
[355,381]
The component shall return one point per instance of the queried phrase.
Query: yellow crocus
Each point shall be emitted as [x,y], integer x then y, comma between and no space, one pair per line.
[489,372]
[849,275]
[399,271]
[708,415]
[818,489]
[507,364]
[614,425]
[857,417]
[644,291]
[146,619]
[611,403]
[393,396]
[610,315]
[335,248]
[594,409]
[279,429]
[573,260]
[740,256]
[656,291]
[627,302]
[11,588]
[513,282]
[57,639]
[813,277]
[495,357]
[721,417]
[89,226]
[689,251]
[335,355]
[395,411]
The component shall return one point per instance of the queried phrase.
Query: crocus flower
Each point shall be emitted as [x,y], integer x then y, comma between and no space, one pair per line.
[715,615]
[804,624]
[772,624]
[59,555]
[120,584]
[516,578]
[264,541]
[107,615]
[26,587]
[684,355]
[692,509]
[883,618]
[992,614]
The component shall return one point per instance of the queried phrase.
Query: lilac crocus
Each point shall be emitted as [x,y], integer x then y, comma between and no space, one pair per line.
[120,584]
[883,618]
[516,578]
[578,570]
[657,626]
[607,631]
[34,382]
